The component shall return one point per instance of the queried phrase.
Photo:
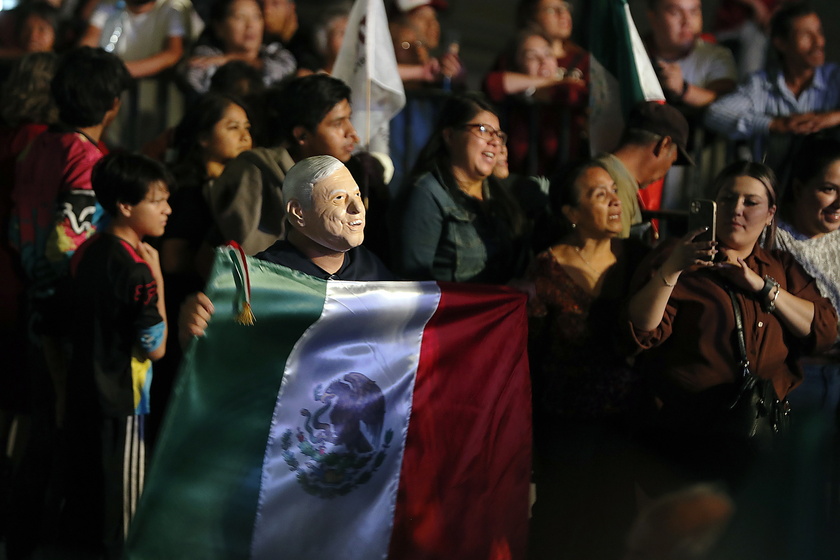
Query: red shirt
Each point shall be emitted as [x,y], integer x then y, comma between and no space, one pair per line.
[55,208]
[549,133]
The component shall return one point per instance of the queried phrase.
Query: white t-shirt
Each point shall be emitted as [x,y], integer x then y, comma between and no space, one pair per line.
[137,36]
[706,63]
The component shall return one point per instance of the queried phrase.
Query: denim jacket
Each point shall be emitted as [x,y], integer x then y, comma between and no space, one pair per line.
[447,238]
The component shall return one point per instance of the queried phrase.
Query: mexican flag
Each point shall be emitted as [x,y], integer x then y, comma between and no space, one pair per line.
[621,72]
[352,420]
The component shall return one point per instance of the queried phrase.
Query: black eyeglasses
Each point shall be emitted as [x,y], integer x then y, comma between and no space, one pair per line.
[486,132]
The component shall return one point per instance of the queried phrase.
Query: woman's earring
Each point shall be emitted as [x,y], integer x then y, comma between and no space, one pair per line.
[574,225]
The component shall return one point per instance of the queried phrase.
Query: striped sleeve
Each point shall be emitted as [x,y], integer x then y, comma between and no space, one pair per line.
[743,113]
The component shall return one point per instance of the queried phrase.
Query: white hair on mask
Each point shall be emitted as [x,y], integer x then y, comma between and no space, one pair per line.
[304,174]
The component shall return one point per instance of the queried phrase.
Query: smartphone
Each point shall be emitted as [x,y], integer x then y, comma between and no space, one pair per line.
[702,213]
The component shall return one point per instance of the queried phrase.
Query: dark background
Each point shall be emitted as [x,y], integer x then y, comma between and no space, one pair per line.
[484,27]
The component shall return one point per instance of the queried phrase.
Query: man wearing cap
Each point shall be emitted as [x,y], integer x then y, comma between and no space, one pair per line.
[654,138]
[326,224]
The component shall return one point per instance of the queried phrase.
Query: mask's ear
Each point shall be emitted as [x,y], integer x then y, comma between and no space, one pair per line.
[294,212]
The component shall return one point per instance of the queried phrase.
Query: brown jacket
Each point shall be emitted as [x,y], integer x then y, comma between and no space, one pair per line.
[694,347]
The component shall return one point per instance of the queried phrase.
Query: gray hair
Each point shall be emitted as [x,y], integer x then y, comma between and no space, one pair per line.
[304,174]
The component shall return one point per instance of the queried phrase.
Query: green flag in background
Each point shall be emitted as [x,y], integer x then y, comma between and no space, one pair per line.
[621,73]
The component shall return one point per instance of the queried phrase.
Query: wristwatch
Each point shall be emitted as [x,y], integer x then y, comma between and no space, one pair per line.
[768,304]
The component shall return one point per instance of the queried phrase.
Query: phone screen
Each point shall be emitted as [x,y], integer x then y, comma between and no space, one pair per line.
[702,213]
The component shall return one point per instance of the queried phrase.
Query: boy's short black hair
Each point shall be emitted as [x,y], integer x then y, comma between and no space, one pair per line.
[126,177]
[86,83]
[302,101]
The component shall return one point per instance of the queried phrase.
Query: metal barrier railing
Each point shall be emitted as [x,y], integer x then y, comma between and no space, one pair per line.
[149,107]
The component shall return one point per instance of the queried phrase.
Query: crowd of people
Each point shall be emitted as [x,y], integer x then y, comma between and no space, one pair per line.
[669,363]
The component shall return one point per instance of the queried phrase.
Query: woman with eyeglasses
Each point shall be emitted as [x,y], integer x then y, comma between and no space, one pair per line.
[456,222]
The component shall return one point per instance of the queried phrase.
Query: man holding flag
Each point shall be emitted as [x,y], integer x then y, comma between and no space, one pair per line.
[290,438]
[327,218]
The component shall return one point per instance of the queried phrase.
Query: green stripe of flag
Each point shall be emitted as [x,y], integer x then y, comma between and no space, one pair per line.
[195,526]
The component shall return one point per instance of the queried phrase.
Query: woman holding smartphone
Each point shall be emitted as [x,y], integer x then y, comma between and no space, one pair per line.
[683,328]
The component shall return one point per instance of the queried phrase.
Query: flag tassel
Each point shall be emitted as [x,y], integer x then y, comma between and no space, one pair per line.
[245,316]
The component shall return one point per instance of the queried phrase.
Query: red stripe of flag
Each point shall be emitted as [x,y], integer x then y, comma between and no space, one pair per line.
[468,448]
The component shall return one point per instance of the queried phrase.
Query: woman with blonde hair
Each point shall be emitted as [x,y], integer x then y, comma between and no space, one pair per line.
[719,327]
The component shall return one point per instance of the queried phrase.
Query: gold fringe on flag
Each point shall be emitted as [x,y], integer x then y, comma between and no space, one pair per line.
[245,316]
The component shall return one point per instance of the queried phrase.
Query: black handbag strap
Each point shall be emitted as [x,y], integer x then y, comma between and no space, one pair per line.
[739,327]
[779,410]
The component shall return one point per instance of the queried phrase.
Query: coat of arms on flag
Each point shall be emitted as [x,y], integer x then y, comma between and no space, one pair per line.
[351,420]
[351,403]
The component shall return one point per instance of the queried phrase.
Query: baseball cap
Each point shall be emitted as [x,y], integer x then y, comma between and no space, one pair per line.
[664,120]
[406,6]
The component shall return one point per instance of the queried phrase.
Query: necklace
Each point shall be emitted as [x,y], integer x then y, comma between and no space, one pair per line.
[586,262]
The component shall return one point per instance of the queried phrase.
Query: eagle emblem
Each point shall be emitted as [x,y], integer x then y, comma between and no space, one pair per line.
[340,444]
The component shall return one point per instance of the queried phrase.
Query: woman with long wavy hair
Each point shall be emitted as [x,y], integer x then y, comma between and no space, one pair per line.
[457,223]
